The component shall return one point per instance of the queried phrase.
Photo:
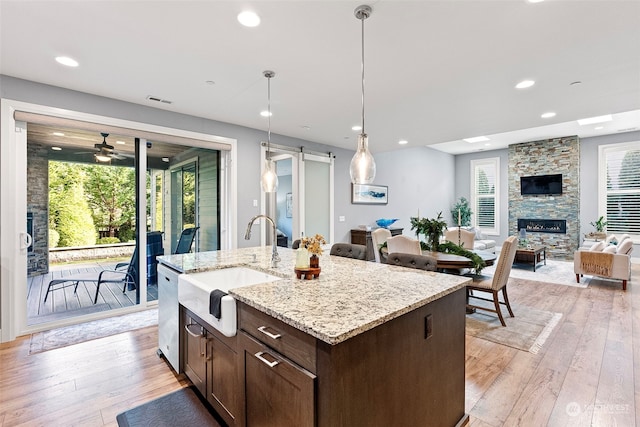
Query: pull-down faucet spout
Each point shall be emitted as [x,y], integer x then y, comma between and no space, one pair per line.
[275,258]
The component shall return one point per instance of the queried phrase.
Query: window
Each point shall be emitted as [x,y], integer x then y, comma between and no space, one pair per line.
[484,194]
[619,187]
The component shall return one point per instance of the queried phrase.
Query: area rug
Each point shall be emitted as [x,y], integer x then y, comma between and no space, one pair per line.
[528,331]
[558,272]
[74,334]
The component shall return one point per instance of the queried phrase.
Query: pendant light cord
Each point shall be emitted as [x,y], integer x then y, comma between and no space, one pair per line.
[362,20]
[269,117]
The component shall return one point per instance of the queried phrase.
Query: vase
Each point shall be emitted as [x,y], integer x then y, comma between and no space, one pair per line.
[314,261]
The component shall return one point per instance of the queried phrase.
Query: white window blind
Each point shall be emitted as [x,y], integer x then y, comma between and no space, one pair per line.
[485,190]
[619,183]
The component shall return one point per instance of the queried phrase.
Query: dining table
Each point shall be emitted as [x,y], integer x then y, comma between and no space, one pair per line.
[445,261]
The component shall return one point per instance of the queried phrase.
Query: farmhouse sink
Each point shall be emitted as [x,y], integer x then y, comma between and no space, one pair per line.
[194,290]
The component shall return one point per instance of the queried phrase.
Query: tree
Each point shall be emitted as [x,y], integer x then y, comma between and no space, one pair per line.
[69,213]
[110,192]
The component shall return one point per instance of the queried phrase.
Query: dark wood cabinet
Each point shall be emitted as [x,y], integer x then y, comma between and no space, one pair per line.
[363,237]
[210,361]
[405,372]
[195,355]
[277,392]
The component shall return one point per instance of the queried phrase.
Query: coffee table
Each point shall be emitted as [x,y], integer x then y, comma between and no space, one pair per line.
[532,255]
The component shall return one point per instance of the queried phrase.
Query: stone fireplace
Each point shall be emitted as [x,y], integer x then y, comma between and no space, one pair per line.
[543,225]
[552,220]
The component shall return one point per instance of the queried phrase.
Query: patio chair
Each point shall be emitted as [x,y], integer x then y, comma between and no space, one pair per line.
[186,240]
[128,277]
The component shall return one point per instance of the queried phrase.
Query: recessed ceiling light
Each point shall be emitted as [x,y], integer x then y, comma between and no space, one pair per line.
[65,60]
[165,159]
[577,82]
[356,128]
[548,115]
[403,142]
[210,82]
[57,134]
[265,113]
[487,144]
[56,148]
[525,84]
[535,1]
[249,19]
[594,120]
[120,142]
[476,139]
[599,127]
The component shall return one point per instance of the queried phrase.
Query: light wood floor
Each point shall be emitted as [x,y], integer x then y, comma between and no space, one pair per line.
[587,373]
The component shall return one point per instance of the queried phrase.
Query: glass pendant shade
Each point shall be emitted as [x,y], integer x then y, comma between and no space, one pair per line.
[269,177]
[362,168]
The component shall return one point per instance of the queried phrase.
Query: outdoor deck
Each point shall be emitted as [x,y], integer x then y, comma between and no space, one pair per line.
[64,303]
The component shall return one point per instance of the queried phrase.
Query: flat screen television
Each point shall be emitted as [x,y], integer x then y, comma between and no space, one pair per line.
[541,184]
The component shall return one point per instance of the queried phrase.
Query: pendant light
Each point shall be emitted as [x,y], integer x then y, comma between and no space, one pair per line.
[269,178]
[363,167]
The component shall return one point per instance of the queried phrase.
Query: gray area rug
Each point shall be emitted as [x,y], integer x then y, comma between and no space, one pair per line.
[527,331]
[74,334]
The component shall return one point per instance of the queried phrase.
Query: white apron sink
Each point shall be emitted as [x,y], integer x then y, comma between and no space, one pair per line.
[194,290]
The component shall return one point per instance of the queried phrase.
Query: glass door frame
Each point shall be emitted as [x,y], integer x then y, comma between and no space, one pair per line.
[13,205]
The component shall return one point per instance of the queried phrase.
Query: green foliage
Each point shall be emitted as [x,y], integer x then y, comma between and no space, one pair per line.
[73,219]
[126,233]
[54,238]
[110,192]
[107,240]
[452,248]
[600,224]
[432,228]
[462,206]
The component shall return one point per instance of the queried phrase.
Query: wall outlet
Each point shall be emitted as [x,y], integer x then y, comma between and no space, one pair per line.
[341,219]
[255,203]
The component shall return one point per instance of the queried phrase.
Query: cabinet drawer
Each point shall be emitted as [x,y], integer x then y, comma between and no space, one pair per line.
[285,339]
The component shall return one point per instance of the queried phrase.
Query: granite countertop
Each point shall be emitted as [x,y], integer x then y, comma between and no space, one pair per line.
[349,297]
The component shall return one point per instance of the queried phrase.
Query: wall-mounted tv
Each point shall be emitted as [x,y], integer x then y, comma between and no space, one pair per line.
[541,184]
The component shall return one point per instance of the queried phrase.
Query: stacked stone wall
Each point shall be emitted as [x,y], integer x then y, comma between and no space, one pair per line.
[38,206]
[547,157]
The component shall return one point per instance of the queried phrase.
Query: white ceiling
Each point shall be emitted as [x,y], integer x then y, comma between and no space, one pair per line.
[436,71]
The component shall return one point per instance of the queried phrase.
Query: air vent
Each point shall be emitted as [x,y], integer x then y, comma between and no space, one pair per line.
[627,129]
[156,99]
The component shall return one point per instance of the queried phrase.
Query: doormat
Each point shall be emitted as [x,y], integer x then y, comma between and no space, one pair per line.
[75,334]
[527,331]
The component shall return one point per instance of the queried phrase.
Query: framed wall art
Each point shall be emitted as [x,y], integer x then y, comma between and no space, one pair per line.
[365,194]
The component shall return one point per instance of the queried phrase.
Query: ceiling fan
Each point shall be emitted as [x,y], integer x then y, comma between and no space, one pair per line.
[106,152]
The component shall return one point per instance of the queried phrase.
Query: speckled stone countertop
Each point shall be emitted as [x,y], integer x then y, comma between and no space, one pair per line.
[349,298]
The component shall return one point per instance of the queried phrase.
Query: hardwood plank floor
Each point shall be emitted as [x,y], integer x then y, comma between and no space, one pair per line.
[586,374]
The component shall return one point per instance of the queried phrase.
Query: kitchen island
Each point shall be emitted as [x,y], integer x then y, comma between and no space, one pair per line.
[364,344]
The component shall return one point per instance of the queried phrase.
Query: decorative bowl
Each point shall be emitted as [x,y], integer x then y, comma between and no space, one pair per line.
[385,223]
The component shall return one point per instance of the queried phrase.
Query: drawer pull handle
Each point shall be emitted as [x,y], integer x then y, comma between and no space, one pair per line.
[265,361]
[193,334]
[263,329]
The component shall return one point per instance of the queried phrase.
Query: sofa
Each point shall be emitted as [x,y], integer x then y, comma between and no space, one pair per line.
[481,242]
[605,259]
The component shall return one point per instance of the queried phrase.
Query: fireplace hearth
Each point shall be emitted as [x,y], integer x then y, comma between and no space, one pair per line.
[543,225]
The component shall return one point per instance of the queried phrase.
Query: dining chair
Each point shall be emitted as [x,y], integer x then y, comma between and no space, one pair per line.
[349,250]
[420,262]
[378,237]
[461,237]
[496,283]
[403,244]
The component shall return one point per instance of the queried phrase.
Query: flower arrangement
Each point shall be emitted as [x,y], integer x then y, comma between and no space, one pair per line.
[313,244]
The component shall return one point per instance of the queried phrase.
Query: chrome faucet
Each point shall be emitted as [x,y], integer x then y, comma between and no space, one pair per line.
[275,258]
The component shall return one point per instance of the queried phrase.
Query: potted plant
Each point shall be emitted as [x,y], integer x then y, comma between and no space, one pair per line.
[432,228]
[461,213]
[599,225]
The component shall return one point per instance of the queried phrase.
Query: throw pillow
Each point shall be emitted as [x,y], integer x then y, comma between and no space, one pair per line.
[625,247]
[599,246]
[611,249]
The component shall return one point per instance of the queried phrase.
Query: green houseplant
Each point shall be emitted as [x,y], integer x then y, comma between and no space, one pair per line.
[599,225]
[461,211]
[432,228]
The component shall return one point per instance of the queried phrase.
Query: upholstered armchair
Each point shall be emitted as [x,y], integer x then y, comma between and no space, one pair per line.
[461,237]
[403,244]
[611,262]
